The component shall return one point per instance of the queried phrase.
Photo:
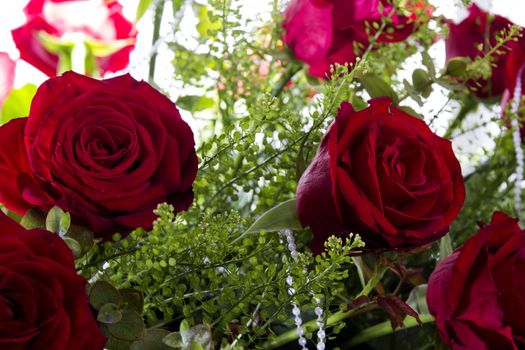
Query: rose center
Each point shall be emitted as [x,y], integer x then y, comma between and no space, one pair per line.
[97,148]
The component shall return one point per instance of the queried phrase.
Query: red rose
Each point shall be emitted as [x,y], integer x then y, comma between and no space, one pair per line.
[7,76]
[477,294]
[99,20]
[382,173]
[325,32]
[43,302]
[464,40]
[106,151]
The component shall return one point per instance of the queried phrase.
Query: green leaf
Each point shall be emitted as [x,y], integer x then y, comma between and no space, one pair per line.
[428,63]
[173,340]
[358,262]
[377,87]
[153,339]
[195,346]
[445,247]
[411,91]
[300,163]
[195,103]
[142,8]
[422,82]
[133,298]
[417,299]
[34,218]
[83,236]
[205,24]
[410,111]
[17,103]
[58,221]
[118,344]
[75,247]
[457,66]
[419,78]
[109,313]
[130,327]
[282,216]
[103,293]
[198,337]
[358,103]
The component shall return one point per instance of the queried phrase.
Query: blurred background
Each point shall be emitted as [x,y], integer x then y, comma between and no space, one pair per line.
[12,16]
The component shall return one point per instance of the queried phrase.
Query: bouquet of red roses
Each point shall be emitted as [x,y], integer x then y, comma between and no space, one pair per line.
[304,174]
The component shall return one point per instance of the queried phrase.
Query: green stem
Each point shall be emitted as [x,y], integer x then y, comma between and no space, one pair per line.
[466,108]
[379,271]
[385,328]
[377,275]
[311,325]
[156,33]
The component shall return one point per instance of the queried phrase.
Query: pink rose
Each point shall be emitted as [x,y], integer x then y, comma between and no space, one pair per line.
[7,76]
[325,32]
[98,20]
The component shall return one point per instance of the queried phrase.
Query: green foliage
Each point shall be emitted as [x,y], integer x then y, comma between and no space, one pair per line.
[196,274]
[17,103]
[280,217]
[142,8]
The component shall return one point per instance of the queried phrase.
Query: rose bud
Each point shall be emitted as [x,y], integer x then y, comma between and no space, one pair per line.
[383,174]
[476,293]
[107,151]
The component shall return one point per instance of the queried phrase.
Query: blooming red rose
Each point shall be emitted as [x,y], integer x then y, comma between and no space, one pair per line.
[43,301]
[382,173]
[477,294]
[464,40]
[325,32]
[101,21]
[106,151]
[7,75]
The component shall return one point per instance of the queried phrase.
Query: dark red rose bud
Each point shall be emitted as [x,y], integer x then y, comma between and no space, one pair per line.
[476,293]
[106,151]
[43,301]
[382,173]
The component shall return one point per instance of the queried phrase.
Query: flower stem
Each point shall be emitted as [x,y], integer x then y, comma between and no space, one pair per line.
[156,33]
[385,328]
[311,325]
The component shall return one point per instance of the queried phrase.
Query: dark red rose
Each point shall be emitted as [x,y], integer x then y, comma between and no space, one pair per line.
[382,173]
[7,76]
[325,32]
[43,301]
[464,40]
[107,151]
[477,294]
[98,20]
